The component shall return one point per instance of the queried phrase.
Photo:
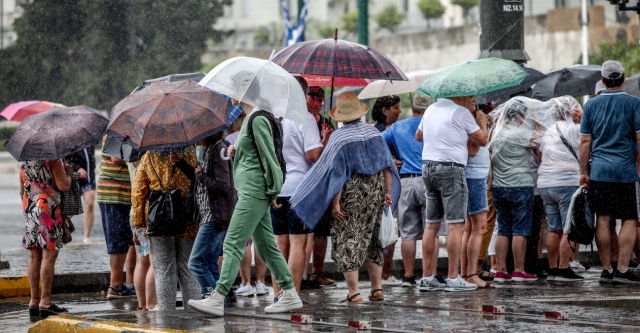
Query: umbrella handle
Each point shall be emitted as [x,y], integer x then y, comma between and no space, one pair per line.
[223,155]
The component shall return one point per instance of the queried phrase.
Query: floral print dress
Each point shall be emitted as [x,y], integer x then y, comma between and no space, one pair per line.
[40,203]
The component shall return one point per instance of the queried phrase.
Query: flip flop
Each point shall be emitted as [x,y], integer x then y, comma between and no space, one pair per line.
[487,285]
[349,299]
[373,297]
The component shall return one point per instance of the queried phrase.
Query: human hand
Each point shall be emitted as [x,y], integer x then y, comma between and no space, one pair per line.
[482,119]
[326,133]
[231,150]
[198,169]
[136,241]
[398,164]
[584,180]
[387,200]
[82,172]
[337,213]
[275,205]
[175,157]
[68,168]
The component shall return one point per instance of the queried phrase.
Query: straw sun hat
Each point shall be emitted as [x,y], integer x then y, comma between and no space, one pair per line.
[348,108]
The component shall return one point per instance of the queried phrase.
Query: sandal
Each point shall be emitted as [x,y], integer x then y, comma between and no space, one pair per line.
[34,311]
[486,284]
[349,299]
[486,276]
[374,298]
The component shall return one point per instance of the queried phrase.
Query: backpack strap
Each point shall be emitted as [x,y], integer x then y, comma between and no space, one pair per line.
[250,131]
[566,143]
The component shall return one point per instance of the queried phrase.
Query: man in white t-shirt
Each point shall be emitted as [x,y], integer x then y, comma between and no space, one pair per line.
[446,128]
[301,148]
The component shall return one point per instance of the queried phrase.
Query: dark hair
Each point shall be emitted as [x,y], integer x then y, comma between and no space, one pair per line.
[381,103]
[613,83]
[303,83]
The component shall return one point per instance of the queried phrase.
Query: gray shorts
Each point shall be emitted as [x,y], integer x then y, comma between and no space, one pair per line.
[447,193]
[411,208]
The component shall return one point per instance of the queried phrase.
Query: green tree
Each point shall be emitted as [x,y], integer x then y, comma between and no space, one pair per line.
[627,53]
[96,52]
[350,22]
[431,9]
[466,5]
[389,17]
[262,36]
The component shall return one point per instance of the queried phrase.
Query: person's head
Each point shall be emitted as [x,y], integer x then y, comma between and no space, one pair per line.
[212,139]
[421,103]
[386,109]
[303,83]
[468,102]
[515,112]
[487,108]
[237,124]
[612,74]
[567,109]
[315,99]
[348,108]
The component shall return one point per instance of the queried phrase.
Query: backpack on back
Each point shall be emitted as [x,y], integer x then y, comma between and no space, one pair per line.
[276,130]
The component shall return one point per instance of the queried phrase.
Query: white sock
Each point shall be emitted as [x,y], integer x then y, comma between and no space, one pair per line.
[429,278]
[610,271]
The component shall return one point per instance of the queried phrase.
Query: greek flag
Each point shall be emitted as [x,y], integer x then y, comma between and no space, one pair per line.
[294,34]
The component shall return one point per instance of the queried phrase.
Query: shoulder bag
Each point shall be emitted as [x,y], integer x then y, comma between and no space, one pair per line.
[165,218]
[72,199]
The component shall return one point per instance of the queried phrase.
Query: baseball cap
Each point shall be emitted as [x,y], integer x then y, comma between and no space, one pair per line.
[422,101]
[600,87]
[612,69]
[315,90]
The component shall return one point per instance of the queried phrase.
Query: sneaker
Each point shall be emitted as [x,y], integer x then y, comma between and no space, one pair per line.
[433,285]
[552,274]
[261,289]
[213,305]
[606,277]
[323,279]
[627,277]
[287,300]
[524,277]
[391,281]
[568,275]
[459,284]
[408,282]
[120,292]
[309,284]
[246,290]
[633,263]
[502,277]
[231,297]
[86,240]
[440,279]
[576,266]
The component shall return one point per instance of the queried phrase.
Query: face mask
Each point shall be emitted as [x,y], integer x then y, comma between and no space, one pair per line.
[200,154]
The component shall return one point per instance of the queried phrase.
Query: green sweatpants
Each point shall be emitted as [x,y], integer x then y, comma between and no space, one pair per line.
[251,218]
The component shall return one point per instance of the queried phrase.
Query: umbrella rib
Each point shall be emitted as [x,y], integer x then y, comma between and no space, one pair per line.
[144,130]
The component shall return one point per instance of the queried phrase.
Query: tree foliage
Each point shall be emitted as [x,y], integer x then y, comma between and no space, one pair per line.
[627,53]
[465,4]
[350,22]
[95,52]
[431,9]
[389,17]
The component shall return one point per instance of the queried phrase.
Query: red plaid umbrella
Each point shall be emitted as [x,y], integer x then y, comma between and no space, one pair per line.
[336,58]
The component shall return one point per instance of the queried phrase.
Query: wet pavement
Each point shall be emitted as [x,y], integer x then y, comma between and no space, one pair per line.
[592,308]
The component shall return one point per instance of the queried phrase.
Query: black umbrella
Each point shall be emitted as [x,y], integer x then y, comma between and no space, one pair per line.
[574,81]
[632,85]
[56,133]
[534,77]
[117,146]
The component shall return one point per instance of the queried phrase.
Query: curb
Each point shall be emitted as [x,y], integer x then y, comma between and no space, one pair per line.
[70,324]
[18,286]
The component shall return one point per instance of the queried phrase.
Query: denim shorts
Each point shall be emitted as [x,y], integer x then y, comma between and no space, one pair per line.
[556,204]
[116,226]
[447,193]
[88,187]
[514,206]
[285,221]
[477,202]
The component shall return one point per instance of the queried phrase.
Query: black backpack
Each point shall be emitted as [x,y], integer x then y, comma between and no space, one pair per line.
[276,130]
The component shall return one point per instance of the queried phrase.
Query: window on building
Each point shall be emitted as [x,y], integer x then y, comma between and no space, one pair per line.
[245,8]
[561,3]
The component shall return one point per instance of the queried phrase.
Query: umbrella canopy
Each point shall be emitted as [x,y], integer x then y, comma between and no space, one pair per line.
[325,81]
[534,77]
[56,133]
[260,83]
[632,85]
[197,76]
[356,90]
[384,88]
[574,81]
[169,115]
[19,111]
[472,78]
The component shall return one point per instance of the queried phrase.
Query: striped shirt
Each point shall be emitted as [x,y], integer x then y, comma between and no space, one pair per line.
[114,184]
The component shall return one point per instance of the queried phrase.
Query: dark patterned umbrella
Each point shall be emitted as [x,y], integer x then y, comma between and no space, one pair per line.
[337,58]
[168,115]
[56,133]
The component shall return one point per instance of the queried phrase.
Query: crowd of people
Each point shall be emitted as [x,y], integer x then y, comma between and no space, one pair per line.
[485,176]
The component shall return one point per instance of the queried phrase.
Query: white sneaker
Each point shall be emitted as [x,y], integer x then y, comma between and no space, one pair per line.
[261,289]
[459,284]
[576,266]
[86,240]
[287,300]
[246,290]
[213,305]
[433,285]
[391,281]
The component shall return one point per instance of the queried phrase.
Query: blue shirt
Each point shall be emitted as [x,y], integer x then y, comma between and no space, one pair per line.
[612,119]
[401,136]
[478,166]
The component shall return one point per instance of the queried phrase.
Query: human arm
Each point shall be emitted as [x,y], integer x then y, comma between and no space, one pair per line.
[419,135]
[388,183]
[176,159]
[585,154]
[139,193]
[263,140]
[314,154]
[481,136]
[472,148]
[60,176]
[217,179]
[336,209]
[117,161]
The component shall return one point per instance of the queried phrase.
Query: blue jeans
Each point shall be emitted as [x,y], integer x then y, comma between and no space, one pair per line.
[203,262]
[556,204]
[514,206]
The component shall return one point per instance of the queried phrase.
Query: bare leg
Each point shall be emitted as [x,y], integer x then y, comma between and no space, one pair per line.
[554,238]
[307,252]
[494,262]
[33,273]
[150,287]
[297,256]
[565,251]
[116,265]
[408,249]
[375,272]
[464,261]
[261,267]
[615,251]
[46,276]
[435,255]
[388,260]
[319,253]
[282,241]
[88,200]
[626,241]
[454,245]
[519,248]
[502,247]
[351,278]
[603,241]
[139,277]
[478,228]
[428,247]
[130,264]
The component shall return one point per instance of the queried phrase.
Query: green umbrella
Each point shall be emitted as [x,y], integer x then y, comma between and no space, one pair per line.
[473,78]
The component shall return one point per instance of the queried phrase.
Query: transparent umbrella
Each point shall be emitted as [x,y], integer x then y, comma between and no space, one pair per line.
[260,83]
[388,87]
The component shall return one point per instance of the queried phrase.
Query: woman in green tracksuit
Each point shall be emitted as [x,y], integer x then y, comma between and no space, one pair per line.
[258,180]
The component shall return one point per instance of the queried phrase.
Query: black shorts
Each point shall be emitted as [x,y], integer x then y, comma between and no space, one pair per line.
[285,221]
[323,228]
[617,200]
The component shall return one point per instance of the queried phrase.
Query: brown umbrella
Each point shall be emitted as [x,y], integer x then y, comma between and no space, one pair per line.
[169,115]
